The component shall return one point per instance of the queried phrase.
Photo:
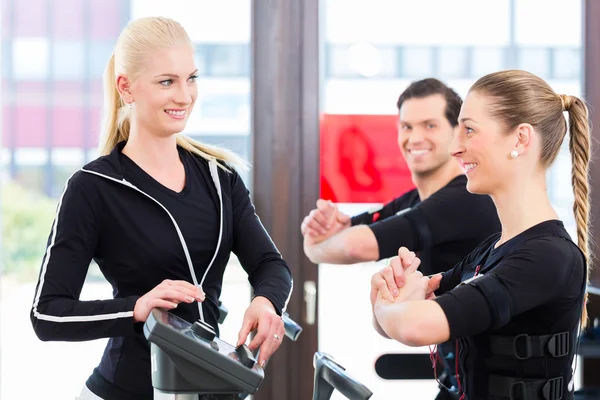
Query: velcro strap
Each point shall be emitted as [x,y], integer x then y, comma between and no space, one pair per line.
[525,346]
[523,389]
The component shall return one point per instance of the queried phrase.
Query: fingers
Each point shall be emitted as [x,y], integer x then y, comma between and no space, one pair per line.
[272,342]
[247,327]
[311,232]
[413,267]
[424,286]
[318,221]
[388,275]
[406,256]
[177,295]
[160,303]
[262,333]
[434,283]
[343,218]
[328,210]
[379,284]
[398,271]
[187,288]
[303,226]
[409,260]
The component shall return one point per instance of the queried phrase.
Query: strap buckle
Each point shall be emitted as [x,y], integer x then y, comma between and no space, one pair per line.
[553,389]
[558,345]
[527,346]
[517,391]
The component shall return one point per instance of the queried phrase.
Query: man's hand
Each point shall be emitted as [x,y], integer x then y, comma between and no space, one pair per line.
[323,222]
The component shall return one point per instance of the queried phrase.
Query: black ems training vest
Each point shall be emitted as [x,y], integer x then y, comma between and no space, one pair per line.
[530,373]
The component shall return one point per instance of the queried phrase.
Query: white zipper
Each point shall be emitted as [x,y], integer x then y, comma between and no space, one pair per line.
[215,176]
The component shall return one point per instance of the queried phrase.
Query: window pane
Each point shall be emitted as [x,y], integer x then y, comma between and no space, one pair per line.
[417,62]
[337,61]
[486,60]
[68,60]
[567,63]
[108,17]
[100,52]
[536,61]
[67,22]
[30,58]
[228,60]
[452,62]
[388,62]
[30,18]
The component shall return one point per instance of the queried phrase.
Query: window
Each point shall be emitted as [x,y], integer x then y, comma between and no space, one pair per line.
[68,60]
[536,61]
[27,18]
[566,63]
[337,61]
[228,60]
[453,62]
[486,60]
[417,62]
[100,52]
[69,10]
[30,58]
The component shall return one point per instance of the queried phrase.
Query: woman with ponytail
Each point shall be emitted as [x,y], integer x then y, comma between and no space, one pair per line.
[516,304]
[160,214]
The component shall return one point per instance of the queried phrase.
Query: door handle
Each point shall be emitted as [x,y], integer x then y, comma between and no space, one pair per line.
[310,298]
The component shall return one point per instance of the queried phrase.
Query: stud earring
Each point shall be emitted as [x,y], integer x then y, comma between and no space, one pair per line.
[514,154]
[130,105]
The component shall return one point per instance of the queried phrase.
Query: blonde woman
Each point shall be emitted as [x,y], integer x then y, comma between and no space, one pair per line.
[160,214]
[513,307]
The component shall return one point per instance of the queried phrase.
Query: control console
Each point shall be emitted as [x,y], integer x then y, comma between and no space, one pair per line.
[190,358]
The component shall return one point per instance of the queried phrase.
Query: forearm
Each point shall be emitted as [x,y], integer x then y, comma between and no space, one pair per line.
[413,323]
[274,283]
[75,320]
[378,328]
[352,245]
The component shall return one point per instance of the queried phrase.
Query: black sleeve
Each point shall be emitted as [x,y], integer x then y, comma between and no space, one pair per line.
[57,312]
[449,215]
[535,273]
[268,273]
[453,277]
[389,210]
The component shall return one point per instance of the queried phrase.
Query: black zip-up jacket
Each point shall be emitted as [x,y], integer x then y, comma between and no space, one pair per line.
[137,243]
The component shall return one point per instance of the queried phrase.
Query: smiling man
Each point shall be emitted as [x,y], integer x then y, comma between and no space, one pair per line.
[439,219]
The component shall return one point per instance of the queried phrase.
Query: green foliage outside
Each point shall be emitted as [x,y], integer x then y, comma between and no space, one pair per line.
[26,221]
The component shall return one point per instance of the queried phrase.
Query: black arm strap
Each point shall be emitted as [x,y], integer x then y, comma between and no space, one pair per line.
[496,297]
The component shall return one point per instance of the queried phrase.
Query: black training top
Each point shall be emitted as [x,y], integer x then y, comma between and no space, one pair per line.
[532,284]
[443,229]
[141,233]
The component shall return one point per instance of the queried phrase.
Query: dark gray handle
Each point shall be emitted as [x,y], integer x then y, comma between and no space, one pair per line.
[292,329]
[329,375]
